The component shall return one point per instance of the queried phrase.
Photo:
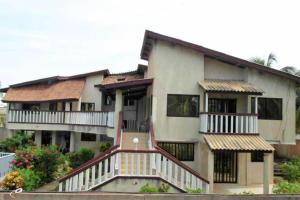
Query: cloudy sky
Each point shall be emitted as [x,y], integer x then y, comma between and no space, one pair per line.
[60,37]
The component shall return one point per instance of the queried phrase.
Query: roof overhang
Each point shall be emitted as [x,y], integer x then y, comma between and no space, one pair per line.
[151,37]
[125,85]
[235,142]
[229,86]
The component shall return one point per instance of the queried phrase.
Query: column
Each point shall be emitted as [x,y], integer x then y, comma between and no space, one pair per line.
[118,106]
[266,172]
[53,135]
[72,141]
[210,170]
[38,138]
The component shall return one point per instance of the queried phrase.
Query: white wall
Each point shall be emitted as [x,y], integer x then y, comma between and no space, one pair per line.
[90,93]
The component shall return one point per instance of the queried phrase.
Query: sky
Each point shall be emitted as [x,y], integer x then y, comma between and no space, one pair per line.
[64,37]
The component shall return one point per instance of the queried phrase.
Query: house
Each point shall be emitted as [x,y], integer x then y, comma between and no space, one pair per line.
[192,118]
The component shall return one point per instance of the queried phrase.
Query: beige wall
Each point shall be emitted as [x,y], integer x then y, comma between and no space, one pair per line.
[90,93]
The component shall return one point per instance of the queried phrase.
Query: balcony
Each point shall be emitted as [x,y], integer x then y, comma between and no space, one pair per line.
[228,123]
[59,120]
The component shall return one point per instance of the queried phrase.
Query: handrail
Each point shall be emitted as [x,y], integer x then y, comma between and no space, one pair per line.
[171,157]
[232,114]
[100,157]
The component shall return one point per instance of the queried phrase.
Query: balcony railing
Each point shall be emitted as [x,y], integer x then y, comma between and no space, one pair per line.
[228,123]
[94,118]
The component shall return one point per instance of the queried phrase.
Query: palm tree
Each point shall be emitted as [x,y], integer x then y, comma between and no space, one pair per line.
[261,61]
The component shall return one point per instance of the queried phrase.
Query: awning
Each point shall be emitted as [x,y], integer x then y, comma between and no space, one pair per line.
[246,143]
[57,91]
[229,86]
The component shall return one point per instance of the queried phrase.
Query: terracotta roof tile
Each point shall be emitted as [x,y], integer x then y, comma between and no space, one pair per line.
[61,90]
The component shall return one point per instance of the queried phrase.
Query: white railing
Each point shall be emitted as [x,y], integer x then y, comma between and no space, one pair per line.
[228,123]
[62,117]
[5,163]
[126,163]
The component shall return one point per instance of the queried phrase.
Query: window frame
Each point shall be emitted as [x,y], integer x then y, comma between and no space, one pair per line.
[265,115]
[184,154]
[188,95]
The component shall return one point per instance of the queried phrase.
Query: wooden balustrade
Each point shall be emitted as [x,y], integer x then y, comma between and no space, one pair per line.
[62,117]
[228,123]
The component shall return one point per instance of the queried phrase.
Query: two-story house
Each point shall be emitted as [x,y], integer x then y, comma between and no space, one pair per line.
[193,118]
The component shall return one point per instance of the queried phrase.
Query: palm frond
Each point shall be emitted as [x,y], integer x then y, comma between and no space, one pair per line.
[290,70]
[271,59]
[257,60]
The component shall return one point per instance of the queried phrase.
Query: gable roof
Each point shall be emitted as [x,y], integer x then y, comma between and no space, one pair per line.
[150,37]
[54,79]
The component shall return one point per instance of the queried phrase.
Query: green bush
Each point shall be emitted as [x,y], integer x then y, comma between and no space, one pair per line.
[149,189]
[291,170]
[104,146]
[80,157]
[31,179]
[63,168]
[164,188]
[19,140]
[284,187]
[194,191]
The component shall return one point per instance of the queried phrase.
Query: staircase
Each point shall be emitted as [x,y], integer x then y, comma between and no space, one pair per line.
[125,160]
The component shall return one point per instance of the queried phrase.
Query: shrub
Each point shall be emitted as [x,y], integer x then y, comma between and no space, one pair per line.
[164,188]
[12,181]
[291,170]
[24,158]
[284,187]
[80,157]
[31,179]
[63,168]
[194,191]
[104,146]
[149,189]
[19,140]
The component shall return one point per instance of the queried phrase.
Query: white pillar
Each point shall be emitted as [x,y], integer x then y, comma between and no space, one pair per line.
[38,138]
[118,105]
[210,170]
[72,141]
[206,102]
[266,172]
[53,136]
[256,108]
[79,104]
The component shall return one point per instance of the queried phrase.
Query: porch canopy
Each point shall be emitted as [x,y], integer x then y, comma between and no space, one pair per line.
[58,91]
[242,143]
[229,86]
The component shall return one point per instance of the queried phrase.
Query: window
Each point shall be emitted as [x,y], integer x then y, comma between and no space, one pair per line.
[225,167]
[257,156]
[128,101]
[182,105]
[181,151]
[31,107]
[53,106]
[88,137]
[87,106]
[268,108]
[108,99]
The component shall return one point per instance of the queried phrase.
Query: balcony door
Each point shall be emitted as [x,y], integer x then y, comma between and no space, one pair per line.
[217,105]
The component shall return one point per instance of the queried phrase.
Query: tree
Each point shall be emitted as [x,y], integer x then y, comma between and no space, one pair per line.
[261,61]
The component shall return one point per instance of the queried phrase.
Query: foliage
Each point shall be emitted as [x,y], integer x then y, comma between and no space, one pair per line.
[24,158]
[164,188]
[31,179]
[284,187]
[261,61]
[80,157]
[245,193]
[12,181]
[149,189]
[194,191]
[291,170]
[63,168]
[104,146]
[19,140]
[2,119]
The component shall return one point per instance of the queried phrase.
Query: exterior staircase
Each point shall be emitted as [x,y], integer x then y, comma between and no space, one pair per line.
[126,160]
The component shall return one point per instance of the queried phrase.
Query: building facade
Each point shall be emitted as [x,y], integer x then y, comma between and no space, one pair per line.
[192,118]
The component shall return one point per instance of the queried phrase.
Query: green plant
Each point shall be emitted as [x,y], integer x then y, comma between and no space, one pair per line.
[80,157]
[149,189]
[12,181]
[291,170]
[63,168]
[31,179]
[19,140]
[284,187]
[164,187]
[104,146]
[194,191]
[245,192]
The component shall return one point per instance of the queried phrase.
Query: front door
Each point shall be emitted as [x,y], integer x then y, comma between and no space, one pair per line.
[225,166]
[130,113]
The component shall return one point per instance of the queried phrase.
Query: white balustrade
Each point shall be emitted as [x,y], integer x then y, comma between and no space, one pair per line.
[61,117]
[228,123]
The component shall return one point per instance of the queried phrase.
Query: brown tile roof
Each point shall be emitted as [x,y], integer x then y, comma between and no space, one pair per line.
[229,86]
[61,90]
[237,142]
[119,78]
[150,38]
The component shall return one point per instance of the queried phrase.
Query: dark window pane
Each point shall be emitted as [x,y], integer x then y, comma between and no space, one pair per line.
[181,151]
[270,108]
[257,156]
[88,137]
[225,167]
[87,106]
[182,105]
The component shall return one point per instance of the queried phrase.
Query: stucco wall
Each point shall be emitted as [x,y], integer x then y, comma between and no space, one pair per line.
[90,93]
